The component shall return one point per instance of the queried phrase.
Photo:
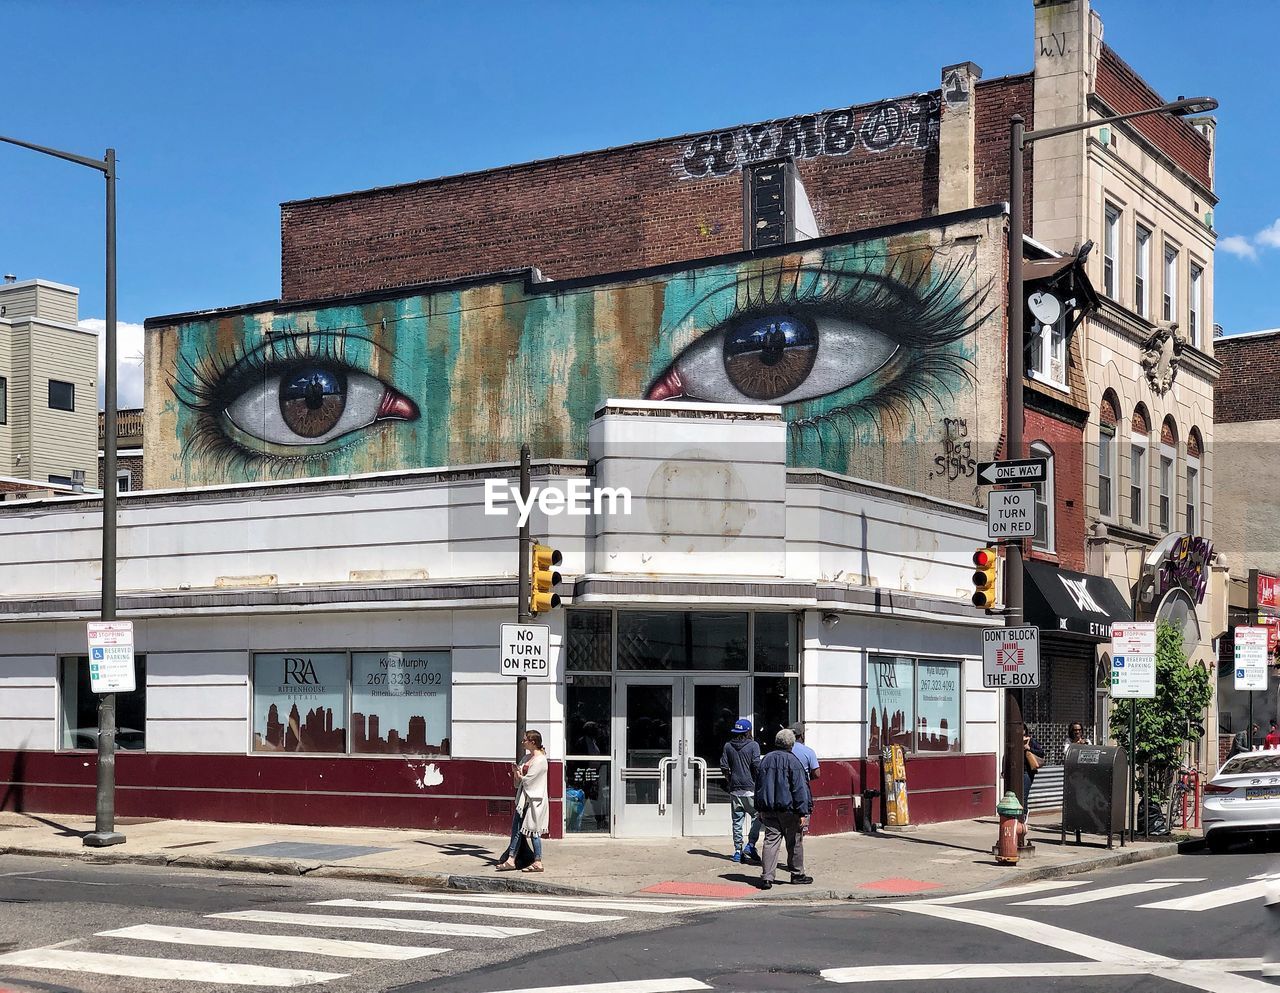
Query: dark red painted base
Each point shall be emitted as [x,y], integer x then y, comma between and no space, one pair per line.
[475,795]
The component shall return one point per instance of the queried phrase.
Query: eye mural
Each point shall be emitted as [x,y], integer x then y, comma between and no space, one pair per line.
[868,344]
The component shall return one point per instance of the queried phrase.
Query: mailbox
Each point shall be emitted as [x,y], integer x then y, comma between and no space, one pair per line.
[1095,781]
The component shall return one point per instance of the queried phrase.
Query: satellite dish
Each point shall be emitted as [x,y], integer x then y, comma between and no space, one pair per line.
[1046,307]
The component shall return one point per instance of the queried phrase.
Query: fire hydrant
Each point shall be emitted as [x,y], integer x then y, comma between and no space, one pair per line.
[1010,811]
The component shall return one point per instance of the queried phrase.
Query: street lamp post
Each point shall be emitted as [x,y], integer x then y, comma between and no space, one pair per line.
[104,832]
[1019,139]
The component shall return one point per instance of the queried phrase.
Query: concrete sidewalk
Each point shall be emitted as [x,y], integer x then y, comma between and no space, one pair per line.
[937,858]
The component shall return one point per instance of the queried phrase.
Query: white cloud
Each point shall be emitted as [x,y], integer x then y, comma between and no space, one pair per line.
[128,361]
[1237,244]
[1270,235]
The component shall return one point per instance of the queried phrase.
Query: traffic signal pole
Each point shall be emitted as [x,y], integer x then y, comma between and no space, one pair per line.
[523,616]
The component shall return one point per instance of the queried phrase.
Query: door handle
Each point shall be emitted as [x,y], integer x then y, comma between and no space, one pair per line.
[664,782]
[699,765]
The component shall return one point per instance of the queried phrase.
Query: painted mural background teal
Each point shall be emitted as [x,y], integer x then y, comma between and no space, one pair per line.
[873,348]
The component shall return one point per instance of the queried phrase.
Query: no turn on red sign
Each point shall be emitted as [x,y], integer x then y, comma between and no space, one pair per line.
[1011,658]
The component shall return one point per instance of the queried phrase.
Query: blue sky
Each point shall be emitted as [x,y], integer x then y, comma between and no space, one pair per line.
[221,110]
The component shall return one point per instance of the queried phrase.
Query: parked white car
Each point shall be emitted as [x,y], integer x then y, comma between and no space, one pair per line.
[1243,799]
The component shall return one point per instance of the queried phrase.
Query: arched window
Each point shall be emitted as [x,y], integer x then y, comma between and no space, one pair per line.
[1107,417]
[1195,448]
[1168,474]
[1044,499]
[1139,466]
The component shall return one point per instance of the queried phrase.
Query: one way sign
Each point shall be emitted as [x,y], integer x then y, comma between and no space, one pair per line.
[1014,471]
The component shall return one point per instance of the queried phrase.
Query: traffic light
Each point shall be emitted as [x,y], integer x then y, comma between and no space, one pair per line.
[542,579]
[984,577]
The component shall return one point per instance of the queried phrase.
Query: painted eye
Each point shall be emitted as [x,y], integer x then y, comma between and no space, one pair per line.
[312,403]
[780,358]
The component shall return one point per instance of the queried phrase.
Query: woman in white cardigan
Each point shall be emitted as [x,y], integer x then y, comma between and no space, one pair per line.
[532,806]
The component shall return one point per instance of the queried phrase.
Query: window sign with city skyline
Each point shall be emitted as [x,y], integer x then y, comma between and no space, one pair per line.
[300,702]
[914,703]
[400,702]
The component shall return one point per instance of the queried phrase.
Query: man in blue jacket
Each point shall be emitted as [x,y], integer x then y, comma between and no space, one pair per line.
[783,803]
[739,762]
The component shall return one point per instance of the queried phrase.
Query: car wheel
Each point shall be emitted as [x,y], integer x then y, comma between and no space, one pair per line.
[1217,842]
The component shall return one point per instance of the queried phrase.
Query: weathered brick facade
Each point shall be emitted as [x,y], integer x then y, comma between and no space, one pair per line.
[1249,387]
[651,203]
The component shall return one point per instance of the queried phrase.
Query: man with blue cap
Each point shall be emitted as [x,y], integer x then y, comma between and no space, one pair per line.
[739,762]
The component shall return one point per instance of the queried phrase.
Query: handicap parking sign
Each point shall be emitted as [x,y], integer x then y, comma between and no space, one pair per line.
[1239,674]
[97,654]
[1117,662]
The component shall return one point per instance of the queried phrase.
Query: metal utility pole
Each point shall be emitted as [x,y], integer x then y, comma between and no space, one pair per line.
[523,614]
[104,832]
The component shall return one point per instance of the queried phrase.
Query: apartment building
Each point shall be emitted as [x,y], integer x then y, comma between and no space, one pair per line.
[48,385]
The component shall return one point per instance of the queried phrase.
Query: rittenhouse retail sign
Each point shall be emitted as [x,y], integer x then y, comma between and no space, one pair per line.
[578,498]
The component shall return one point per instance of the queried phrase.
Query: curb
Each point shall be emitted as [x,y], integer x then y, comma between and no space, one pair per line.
[288,867]
[505,884]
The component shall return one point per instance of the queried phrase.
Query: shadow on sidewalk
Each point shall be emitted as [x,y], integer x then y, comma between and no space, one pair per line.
[63,830]
[478,852]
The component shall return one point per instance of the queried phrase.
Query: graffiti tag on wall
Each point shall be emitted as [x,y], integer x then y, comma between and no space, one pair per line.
[911,122]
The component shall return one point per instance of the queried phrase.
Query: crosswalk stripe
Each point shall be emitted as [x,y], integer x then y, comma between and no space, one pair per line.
[563,916]
[681,985]
[336,947]
[1007,891]
[1179,879]
[638,906]
[981,970]
[375,924]
[1091,896]
[137,967]
[1211,900]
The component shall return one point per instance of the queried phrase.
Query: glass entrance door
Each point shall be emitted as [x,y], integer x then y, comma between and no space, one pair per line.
[668,734]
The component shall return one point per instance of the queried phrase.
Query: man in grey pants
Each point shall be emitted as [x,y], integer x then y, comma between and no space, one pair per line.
[783,803]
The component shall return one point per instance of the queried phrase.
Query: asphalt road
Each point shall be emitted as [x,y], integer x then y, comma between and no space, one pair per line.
[1190,922]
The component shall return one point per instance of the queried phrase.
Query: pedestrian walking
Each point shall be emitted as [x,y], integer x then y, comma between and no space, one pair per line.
[809,759]
[1272,740]
[784,804]
[532,806]
[739,761]
[1033,755]
[1075,736]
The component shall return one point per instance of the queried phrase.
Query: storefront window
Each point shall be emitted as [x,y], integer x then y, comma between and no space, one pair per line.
[400,702]
[79,706]
[668,640]
[588,716]
[777,700]
[588,641]
[775,643]
[914,703]
[300,703]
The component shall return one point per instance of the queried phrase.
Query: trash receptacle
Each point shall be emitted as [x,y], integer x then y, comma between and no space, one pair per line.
[574,801]
[1094,782]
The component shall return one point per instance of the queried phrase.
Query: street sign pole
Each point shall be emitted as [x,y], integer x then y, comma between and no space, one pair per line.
[523,616]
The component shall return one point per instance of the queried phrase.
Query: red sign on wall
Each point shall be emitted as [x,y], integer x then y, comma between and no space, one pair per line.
[1268,591]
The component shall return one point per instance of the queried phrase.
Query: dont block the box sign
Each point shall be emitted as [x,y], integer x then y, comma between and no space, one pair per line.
[1011,658]
[526,650]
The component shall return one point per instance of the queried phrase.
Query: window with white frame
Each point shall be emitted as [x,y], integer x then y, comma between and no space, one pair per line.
[1167,459]
[1106,469]
[124,481]
[1111,251]
[1193,494]
[1142,272]
[1170,281]
[1195,313]
[1138,480]
[1043,539]
[1049,351]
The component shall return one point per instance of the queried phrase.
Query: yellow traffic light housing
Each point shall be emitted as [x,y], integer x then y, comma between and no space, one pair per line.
[543,578]
[984,577]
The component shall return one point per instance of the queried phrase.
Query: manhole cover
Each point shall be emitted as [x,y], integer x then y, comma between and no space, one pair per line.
[767,981]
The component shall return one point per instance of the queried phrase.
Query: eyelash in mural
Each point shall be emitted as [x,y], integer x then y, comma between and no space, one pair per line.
[298,390]
[793,336]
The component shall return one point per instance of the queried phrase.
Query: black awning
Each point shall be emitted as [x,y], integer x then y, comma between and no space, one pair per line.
[1062,600]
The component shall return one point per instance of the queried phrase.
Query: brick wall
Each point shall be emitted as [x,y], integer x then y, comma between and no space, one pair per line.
[1124,91]
[1067,441]
[629,207]
[1249,387]
[133,463]
[996,101]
